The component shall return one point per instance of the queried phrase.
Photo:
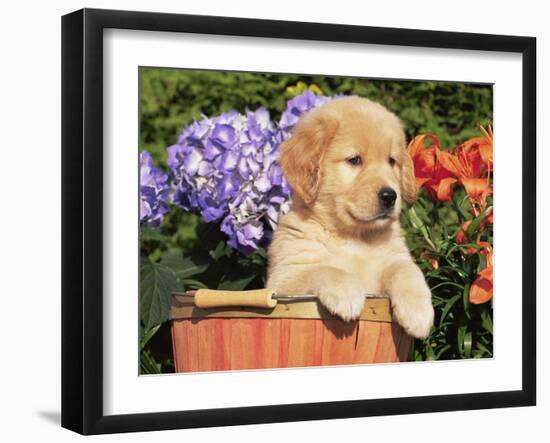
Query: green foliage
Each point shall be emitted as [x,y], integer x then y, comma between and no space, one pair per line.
[188,253]
[461,329]
[148,365]
[156,283]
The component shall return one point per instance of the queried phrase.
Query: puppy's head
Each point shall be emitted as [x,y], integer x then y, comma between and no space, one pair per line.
[347,162]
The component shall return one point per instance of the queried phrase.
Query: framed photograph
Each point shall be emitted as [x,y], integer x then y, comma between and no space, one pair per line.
[270,221]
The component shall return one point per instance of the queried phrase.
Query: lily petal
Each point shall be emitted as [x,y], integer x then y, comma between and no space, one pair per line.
[477,187]
[445,190]
[481,290]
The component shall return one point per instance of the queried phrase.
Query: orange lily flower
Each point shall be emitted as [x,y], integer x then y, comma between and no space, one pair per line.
[484,145]
[430,172]
[481,290]
[471,163]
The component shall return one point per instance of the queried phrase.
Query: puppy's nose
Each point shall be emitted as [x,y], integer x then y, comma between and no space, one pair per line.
[387,197]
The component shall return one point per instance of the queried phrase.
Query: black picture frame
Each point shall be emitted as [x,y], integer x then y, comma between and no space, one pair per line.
[82,218]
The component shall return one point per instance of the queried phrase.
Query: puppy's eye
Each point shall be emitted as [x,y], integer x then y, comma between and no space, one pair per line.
[392,161]
[356,160]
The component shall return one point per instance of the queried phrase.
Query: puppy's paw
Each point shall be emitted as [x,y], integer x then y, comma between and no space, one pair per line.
[415,313]
[346,301]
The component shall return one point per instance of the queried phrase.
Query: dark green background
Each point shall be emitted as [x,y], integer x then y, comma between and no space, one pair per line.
[172,98]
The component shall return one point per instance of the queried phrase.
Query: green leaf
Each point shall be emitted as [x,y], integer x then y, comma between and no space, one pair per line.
[152,234]
[466,299]
[193,265]
[148,364]
[461,333]
[486,321]
[476,221]
[468,344]
[464,214]
[192,283]
[185,266]
[484,351]
[419,224]
[148,335]
[447,283]
[429,351]
[454,269]
[236,283]
[156,285]
[448,307]
[482,262]
[222,249]
[259,254]
[441,351]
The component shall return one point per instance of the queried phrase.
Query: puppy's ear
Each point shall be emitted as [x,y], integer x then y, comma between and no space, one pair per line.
[409,189]
[302,154]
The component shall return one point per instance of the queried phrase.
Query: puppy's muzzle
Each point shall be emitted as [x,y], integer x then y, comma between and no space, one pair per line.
[387,197]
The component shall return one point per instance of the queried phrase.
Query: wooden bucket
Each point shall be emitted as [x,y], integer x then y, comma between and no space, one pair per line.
[292,334]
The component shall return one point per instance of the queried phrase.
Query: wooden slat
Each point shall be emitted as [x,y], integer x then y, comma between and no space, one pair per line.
[214,344]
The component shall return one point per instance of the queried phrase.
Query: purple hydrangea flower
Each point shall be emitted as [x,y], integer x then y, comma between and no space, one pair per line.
[298,106]
[154,190]
[226,169]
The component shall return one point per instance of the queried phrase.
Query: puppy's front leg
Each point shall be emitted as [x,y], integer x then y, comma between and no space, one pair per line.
[340,292]
[410,297]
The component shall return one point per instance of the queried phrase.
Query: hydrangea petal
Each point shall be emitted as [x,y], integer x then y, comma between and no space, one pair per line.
[154,190]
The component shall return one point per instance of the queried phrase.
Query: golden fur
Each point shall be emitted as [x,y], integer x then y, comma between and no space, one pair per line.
[338,241]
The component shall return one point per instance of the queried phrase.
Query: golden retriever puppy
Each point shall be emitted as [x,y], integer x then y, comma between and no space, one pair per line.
[349,170]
